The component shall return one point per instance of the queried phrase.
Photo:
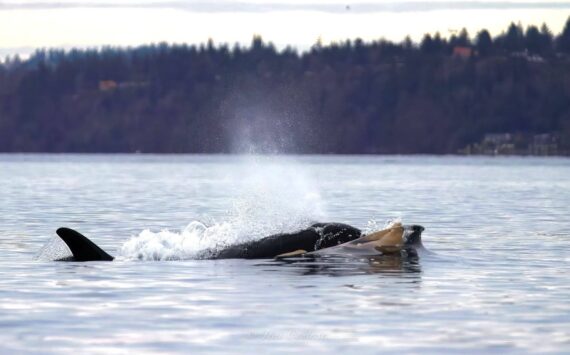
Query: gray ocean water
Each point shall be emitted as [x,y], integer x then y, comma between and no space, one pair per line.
[497,280]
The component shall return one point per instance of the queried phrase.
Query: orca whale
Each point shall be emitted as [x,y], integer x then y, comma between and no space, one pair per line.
[318,237]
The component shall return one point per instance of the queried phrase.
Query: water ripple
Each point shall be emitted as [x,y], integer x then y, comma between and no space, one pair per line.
[496,280]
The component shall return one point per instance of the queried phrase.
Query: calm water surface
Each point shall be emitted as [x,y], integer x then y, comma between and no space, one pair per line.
[497,281]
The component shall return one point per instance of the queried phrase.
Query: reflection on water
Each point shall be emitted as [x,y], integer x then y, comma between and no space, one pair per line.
[496,280]
[337,265]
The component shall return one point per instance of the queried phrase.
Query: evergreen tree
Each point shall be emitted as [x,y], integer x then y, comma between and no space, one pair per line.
[407,44]
[563,41]
[464,39]
[484,43]
[438,43]
[514,38]
[427,45]
[547,39]
[534,40]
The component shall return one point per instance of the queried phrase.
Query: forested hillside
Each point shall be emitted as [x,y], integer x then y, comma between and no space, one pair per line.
[436,96]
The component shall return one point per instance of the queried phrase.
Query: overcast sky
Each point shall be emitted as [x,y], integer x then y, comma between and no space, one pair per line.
[25,24]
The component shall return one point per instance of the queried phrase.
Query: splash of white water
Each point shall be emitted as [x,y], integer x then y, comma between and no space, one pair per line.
[274,197]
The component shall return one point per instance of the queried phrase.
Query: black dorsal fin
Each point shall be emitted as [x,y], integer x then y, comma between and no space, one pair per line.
[82,248]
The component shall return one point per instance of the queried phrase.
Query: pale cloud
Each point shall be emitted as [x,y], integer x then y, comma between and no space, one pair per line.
[326,7]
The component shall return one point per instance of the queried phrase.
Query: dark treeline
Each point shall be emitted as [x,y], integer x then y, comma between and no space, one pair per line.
[352,97]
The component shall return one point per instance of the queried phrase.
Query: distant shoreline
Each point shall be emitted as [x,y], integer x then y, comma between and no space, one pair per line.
[503,95]
[269,155]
